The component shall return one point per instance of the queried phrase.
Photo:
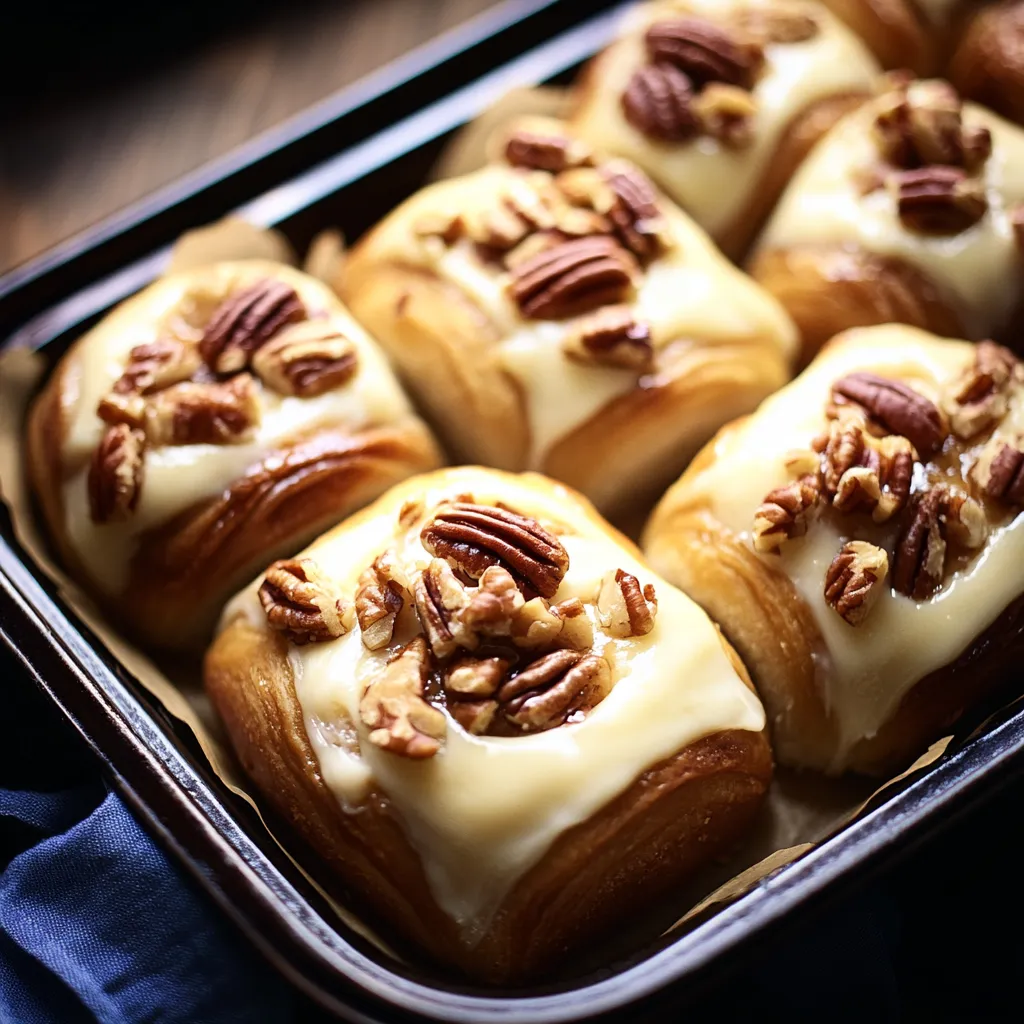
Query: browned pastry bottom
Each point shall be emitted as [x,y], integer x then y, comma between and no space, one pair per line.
[602,870]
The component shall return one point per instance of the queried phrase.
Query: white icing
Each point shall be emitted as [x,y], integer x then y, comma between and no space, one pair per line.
[485,809]
[870,667]
[712,182]
[177,477]
[979,269]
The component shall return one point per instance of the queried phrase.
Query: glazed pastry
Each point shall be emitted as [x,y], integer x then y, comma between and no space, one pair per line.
[552,311]
[988,64]
[858,541]
[221,414]
[906,211]
[490,719]
[720,100]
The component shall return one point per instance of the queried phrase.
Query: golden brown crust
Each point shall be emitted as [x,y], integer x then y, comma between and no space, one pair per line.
[988,64]
[670,820]
[894,32]
[829,289]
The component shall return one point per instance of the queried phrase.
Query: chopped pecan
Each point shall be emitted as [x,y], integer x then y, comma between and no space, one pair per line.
[379,598]
[853,581]
[538,624]
[579,275]
[493,603]
[394,710]
[999,471]
[979,398]
[475,716]
[726,113]
[895,469]
[543,152]
[546,693]
[896,407]
[624,608]
[306,359]
[868,475]
[705,52]
[193,413]
[122,408]
[301,602]
[776,24]
[439,598]
[786,513]
[471,677]
[658,101]
[158,365]
[939,200]
[612,337]
[473,537]
[409,514]
[114,482]
[245,321]
[921,549]
[966,522]
[634,213]
[521,210]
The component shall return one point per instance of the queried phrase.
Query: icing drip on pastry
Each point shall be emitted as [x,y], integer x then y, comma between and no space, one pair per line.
[978,269]
[867,668]
[484,808]
[177,476]
[711,179]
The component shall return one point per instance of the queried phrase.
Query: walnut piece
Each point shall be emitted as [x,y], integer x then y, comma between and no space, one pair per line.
[896,407]
[611,337]
[574,277]
[939,200]
[786,513]
[380,596]
[158,365]
[303,604]
[306,359]
[544,152]
[202,413]
[979,398]
[394,710]
[547,692]
[623,607]
[473,537]
[854,580]
[705,52]
[246,320]
[658,102]
[726,113]
[115,475]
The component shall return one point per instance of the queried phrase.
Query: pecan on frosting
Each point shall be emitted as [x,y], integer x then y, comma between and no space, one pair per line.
[115,474]
[786,512]
[306,359]
[157,365]
[980,396]
[705,52]
[999,471]
[624,607]
[854,580]
[939,200]
[206,413]
[302,603]
[380,596]
[547,692]
[896,406]
[546,151]
[612,337]
[658,102]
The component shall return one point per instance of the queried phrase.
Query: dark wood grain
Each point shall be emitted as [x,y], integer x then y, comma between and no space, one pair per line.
[107,137]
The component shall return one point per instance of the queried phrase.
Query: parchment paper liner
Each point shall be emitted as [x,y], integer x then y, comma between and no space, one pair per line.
[801,809]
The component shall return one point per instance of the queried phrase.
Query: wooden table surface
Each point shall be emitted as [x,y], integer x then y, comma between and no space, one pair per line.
[101,140]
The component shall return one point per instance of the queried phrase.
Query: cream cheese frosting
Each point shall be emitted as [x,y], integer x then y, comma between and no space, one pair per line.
[485,809]
[712,182]
[177,477]
[978,270]
[865,670]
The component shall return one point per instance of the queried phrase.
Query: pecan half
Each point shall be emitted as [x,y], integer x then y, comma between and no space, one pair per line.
[546,693]
[612,337]
[966,522]
[705,51]
[158,365]
[393,708]
[473,537]
[657,102]
[939,200]
[726,113]
[379,598]
[634,213]
[853,581]
[786,513]
[921,549]
[306,359]
[576,276]
[115,475]
[245,321]
[544,152]
[776,24]
[204,413]
[302,603]
[624,608]
[999,471]
[439,598]
[895,406]
[863,474]
[979,398]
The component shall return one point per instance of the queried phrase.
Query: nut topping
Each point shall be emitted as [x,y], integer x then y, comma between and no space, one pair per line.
[302,603]
[921,550]
[726,113]
[980,398]
[440,598]
[623,607]
[394,709]
[306,359]
[786,513]
[542,152]
[999,471]
[538,624]
[658,102]
[634,214]
[476,677]
[157,365]
[854,580]
[115,474]
[379,598]
[705,52]
[896,407]
[245,321]
[547,692]
[473,537]
[574,277]
[939,200]
[612,337]
[204,413]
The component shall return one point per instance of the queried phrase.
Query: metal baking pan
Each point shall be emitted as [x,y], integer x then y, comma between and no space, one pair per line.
[347,162]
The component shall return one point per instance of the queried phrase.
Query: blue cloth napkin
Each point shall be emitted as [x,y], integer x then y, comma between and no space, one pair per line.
[97,924]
